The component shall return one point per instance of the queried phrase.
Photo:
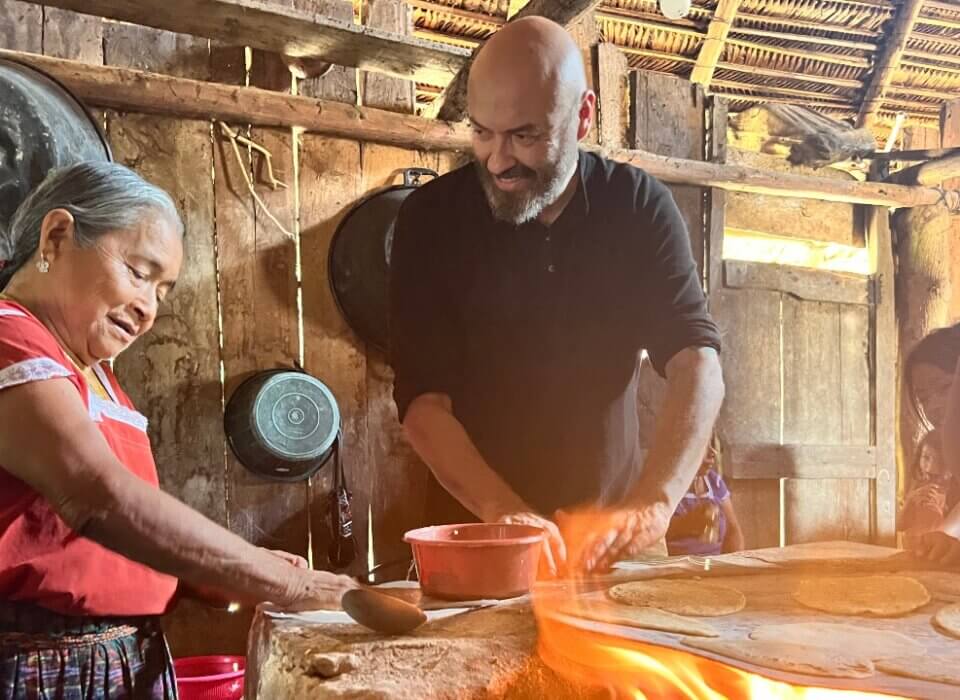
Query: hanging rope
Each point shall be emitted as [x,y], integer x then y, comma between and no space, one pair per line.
[235,140]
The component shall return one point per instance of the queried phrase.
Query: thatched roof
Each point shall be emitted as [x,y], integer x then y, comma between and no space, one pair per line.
[817,53]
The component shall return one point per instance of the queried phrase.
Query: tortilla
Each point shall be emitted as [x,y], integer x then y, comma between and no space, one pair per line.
[939,669]
[947,620]
[878,596]
[941,584]
[645,618]
[818,552]
[795,658]
[681,597]
[865,641]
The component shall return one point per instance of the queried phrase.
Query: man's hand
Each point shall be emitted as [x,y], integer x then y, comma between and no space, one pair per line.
[598,538]
[939,547]
[554,556]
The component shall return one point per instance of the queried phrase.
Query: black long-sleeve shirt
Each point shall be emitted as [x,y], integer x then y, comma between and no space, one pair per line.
[535,332]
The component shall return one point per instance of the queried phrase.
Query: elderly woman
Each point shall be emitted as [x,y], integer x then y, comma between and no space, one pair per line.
[90,548]
[932,376]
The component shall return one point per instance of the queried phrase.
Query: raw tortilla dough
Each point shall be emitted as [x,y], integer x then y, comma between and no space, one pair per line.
[680,597]
[873,643]
[939,669]
[879,596]
[646,618]
[796,658]
[818,551]
[947,620]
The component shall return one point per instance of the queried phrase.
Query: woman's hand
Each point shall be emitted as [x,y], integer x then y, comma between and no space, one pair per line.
[553,559]
[316,590]
[290,558]
[938,547]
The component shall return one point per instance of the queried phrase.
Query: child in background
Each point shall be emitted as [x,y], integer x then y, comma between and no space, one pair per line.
[705,523]
[932,491]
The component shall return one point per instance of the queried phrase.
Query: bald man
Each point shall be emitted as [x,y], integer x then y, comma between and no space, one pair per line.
[524,288]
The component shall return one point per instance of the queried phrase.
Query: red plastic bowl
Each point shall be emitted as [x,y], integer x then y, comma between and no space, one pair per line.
[477,560]
[210,677]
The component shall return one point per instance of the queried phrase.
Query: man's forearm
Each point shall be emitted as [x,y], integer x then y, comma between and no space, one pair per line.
[684,424]
[443,443]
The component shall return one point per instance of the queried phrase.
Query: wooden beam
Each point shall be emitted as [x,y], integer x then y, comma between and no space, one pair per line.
[456,12]
[514,7]
[712,48]
[888,61]
[140,91]
[265,25]
[452,104]
[801,282]
[738,178]
[768,461]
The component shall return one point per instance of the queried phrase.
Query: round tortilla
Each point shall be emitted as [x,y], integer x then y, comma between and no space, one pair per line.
[878,596]
[939,669]
[795,658]
[862,641]
[947,620]
[645,618]
[681,597]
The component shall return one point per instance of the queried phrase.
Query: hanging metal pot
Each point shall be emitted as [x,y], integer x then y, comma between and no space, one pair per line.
[359,263]
[42,127]
[282,425]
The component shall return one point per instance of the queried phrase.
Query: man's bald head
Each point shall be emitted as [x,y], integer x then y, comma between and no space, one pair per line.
[529,103]
[531,57]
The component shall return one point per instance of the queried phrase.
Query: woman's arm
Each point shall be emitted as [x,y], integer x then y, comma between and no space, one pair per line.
[733,540]
[48,441]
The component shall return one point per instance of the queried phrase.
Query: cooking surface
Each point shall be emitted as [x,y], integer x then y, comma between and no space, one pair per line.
[486,652]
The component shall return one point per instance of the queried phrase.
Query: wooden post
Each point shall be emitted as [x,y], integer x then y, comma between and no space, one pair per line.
[925,281]
[613,95]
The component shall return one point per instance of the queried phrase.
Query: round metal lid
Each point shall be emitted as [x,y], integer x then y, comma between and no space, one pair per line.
[42,127]
[295,417]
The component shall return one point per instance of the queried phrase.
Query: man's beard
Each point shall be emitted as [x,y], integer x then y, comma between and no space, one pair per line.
[547,184]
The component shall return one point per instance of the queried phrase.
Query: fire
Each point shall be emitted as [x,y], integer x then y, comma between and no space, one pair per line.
[639,671]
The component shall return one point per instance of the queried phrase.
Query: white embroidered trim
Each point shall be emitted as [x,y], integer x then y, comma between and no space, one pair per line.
[12,312]
[35,370]
[101,408]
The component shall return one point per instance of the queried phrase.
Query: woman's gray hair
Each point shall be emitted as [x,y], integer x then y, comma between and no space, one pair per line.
[101,196]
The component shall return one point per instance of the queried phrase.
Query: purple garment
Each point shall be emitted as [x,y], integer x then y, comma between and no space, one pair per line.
[706,488]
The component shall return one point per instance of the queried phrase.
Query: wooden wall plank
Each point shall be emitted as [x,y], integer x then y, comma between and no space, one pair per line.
[827,509]
[399,477]
[884,373]
[803,283]
[757,505]
[21,26]
[173,374]
[378,90]
[669,119]
[811,373]
[613,82]
[799,218]
[72,35]
[329,185]
[832,222]
[749,325]
[340,83]
[856,388]
[143,48]
[774,461]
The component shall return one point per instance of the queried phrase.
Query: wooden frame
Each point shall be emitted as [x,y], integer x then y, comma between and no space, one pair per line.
[800,462]
[803,283]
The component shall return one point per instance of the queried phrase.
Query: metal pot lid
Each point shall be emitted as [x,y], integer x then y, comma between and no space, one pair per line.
[295,417]
[359,264]
[42,127]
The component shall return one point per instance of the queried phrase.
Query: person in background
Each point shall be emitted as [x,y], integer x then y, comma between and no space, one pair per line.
[931,491]
[91,549]
[932,377]
[705,522]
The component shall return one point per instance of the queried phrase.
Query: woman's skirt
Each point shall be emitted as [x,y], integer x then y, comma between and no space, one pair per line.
[48,656]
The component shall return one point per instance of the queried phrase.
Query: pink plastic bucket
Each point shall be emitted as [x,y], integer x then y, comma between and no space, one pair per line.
[210,677]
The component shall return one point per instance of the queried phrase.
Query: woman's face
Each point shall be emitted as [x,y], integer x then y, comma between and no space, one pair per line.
[931,386]
[930,465]
[107,295]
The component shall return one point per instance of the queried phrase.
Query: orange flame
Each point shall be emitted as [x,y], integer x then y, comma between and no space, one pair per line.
[640,671]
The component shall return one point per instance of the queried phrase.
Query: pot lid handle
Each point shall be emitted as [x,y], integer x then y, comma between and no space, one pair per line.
[411,176]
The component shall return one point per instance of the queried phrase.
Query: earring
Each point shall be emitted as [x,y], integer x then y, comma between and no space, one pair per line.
[43,266]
